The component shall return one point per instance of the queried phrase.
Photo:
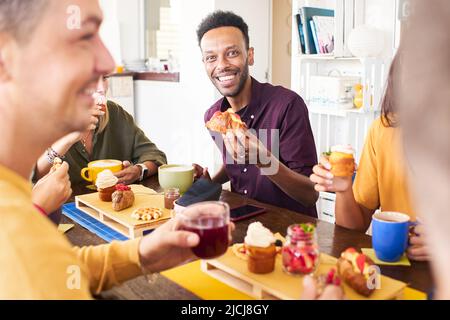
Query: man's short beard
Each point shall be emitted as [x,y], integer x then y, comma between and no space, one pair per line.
[242,81]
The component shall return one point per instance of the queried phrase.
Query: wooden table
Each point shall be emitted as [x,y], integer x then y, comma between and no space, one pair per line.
[332,240]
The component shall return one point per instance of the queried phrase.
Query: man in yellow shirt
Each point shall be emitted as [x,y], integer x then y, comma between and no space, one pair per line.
[425,118]
[381,180]
[51,57]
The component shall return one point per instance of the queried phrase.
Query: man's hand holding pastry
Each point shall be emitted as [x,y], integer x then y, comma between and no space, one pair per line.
[53,190]
[245,148]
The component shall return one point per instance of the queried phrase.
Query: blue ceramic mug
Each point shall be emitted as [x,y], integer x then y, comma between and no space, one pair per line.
[390,235]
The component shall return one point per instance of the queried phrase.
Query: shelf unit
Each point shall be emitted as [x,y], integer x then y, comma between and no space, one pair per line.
[331,125]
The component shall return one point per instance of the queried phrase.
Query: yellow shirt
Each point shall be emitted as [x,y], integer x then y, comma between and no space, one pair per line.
[37,262]
[381,180]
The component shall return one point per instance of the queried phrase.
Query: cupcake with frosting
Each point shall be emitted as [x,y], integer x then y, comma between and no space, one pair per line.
[260,248]
[342,160]
[106,185]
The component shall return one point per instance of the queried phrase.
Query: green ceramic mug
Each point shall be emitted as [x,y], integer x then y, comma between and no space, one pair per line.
[176,176]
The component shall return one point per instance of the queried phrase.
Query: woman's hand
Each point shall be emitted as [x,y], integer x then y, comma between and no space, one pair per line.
[417,249]
[325,181]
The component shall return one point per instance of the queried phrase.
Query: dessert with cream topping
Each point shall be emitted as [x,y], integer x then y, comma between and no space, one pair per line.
[106,185]
[260,249]
[341,160]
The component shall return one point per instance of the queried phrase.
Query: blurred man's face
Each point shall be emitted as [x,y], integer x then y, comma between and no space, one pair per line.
[53,76]
[226,59]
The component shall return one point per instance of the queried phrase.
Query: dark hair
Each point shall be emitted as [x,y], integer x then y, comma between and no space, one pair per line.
[388,110]
[219,19]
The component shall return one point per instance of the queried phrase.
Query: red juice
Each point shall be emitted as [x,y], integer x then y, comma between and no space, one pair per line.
[213,235]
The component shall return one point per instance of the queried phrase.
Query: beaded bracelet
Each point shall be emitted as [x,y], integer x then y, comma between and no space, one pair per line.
[52,154]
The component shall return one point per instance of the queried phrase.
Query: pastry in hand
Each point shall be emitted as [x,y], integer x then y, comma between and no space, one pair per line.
[122,198]
[260,249]
[355,269]
[57,163]
[223,121]
[106,185]
[341,160]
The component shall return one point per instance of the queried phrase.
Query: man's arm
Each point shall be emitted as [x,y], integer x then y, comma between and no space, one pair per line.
[295,185]
[110,264]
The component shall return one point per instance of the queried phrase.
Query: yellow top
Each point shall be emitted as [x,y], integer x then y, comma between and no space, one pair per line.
[381,180]
[37,262]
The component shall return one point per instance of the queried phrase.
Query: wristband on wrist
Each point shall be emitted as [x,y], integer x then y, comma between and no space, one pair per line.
[42,211]
[144,171]
[52,154]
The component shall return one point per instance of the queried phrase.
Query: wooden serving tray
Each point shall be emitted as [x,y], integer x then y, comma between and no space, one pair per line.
[233,271]
[121,221]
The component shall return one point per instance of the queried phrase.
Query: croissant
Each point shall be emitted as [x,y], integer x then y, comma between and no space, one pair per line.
[354,268]
[122,199]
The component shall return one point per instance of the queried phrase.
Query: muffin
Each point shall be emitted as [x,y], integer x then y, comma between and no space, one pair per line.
[342,161]
[260,249]
[106,185]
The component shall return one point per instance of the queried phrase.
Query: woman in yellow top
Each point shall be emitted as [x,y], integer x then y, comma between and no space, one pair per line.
[380,181]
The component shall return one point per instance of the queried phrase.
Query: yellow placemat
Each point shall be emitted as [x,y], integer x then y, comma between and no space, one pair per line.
[191,277]
[404,261]
[413,294]
[63,228]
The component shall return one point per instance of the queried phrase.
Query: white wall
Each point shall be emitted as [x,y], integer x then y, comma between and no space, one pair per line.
[257,14]
[109,31]
[172,113]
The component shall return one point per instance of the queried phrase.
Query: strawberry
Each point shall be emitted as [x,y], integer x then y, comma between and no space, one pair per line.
[360,262]
[309,263]
[122,187]
[330,276]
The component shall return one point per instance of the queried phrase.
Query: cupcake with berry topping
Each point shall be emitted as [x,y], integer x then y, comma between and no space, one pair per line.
[106,185]
[341,160]
[260,249]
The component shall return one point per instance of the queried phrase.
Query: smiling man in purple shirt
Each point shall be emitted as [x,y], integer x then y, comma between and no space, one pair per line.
[272,111]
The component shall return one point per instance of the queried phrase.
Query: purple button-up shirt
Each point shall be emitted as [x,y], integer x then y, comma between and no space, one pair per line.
[273,107]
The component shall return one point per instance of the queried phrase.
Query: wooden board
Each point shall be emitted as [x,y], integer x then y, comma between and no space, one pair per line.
[280,285]
[121,221]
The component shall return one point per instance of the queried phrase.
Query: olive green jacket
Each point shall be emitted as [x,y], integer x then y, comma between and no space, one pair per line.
[121,140]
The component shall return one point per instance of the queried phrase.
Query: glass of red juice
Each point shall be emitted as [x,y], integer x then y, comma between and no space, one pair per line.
[210,220]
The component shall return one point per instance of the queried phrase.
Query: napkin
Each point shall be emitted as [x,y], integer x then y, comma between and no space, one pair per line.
[404,261]
[63,228]
[202,190]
